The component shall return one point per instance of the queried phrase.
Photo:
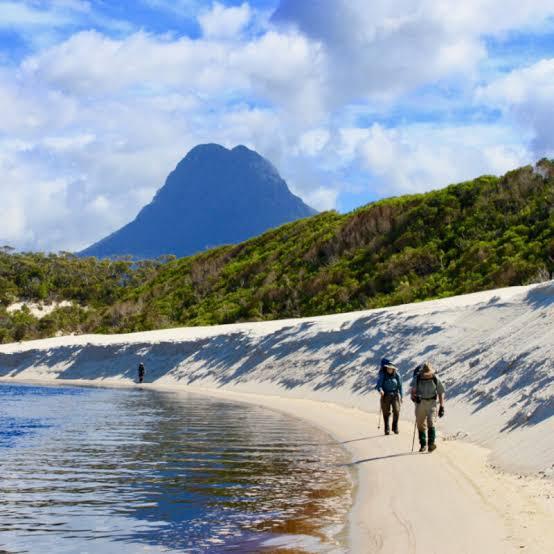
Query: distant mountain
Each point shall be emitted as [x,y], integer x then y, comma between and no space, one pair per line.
[214,196]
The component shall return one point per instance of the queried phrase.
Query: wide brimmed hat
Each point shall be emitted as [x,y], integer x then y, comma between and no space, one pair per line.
[427,370]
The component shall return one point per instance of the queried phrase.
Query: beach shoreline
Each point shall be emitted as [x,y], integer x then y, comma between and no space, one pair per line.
[493,351]
[487,510]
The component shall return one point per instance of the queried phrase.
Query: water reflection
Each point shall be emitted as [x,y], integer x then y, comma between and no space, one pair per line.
[100,470]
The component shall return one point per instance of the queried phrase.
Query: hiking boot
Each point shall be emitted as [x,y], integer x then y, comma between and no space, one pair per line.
[432,447]
[422,448]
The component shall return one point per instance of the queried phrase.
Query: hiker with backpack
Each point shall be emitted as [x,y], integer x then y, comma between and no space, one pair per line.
[425,389]
[389,385]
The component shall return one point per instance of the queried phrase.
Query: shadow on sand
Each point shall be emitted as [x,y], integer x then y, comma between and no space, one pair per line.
[387,457]
[319,359]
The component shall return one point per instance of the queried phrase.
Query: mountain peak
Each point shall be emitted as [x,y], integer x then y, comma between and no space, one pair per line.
[214,149]
[214,196]
[241,149]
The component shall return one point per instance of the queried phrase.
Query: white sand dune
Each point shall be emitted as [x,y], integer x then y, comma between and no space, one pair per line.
[38,309]
[494,351]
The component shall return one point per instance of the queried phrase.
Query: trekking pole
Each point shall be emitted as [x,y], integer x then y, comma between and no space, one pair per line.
[413,438]
[379,415]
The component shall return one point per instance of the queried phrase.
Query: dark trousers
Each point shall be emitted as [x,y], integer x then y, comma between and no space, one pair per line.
[388,402]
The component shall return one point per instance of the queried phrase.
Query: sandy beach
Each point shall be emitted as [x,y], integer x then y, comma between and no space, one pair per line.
[449,501]
[491,491]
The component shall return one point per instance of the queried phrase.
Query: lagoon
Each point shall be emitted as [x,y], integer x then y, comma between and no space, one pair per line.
[89,469]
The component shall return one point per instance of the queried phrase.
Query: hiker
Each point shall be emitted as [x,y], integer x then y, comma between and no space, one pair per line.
[389,385]
[141,372]
[425,388]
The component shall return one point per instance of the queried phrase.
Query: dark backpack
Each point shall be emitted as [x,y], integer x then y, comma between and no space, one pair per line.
[417,375]
[382,370]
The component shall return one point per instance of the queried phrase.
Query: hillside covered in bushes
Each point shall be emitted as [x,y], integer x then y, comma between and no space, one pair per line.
[487,233]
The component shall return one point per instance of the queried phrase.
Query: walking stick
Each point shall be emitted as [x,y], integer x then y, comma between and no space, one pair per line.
[413,438]
[379,415]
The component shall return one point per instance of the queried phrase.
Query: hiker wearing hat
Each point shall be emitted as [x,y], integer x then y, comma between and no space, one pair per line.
[425,389]
[389,385]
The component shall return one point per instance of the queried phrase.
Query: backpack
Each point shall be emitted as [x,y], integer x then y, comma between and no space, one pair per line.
[416,374]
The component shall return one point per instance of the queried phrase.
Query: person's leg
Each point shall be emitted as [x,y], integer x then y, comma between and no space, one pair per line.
[432,423]
[395,413]
[385,406]
[421,425]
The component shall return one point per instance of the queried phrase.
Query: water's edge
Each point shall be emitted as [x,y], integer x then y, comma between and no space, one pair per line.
[343,537]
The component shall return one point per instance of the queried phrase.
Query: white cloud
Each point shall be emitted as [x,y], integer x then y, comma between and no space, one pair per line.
[417,158]
[285,69]
[33,202]
[26,14]
[381,49]
[92,125]
[12,223]
[492,16]
[90,62]
[224,23]
[68,143]
[312,142]
[526,95]
[42,23]
[322,198]
[27,107]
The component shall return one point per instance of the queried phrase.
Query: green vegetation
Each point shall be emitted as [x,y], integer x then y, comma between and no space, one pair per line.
[486,233]
[90,285]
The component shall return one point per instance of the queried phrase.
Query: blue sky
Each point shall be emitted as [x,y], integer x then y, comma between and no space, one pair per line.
[350,100]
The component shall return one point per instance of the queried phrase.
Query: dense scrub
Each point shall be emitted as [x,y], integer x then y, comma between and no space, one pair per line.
[90,285]
[486,233]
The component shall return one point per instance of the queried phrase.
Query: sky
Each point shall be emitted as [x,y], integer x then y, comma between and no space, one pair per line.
[351,100]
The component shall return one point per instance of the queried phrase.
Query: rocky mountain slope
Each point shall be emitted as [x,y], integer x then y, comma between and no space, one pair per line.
[214,196]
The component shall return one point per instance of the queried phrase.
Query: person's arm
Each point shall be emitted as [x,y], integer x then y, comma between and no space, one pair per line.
[440,392]
[379,386]
[413,388]
[399,381]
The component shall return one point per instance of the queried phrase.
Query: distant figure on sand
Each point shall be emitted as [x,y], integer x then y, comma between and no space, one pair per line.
[141,372]
[389,385]
[425,388]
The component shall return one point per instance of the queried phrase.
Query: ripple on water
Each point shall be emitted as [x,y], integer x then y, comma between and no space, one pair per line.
[102,469]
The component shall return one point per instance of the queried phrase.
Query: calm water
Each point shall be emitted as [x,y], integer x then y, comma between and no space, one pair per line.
[95,470]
